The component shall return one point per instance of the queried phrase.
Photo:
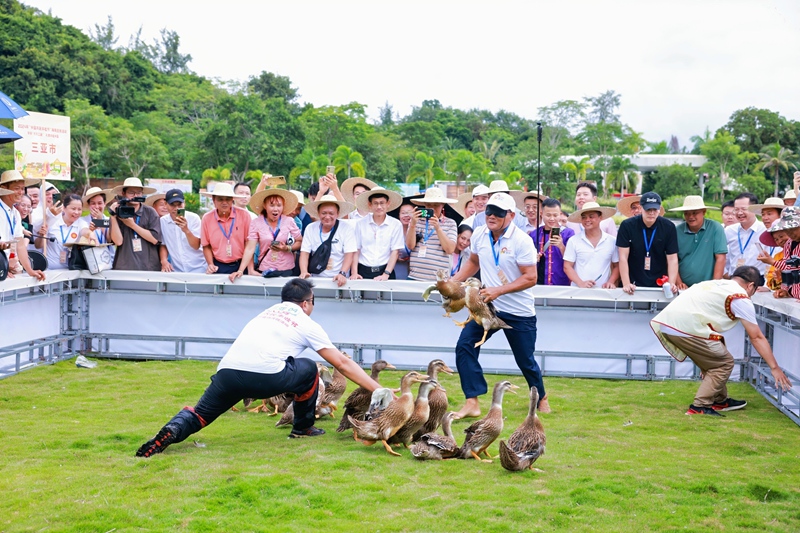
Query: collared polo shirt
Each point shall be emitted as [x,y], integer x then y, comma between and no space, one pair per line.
[263,234]
[424,268]
[697,251]
[744,244]
[514,249]
[10,224]
[184,258]
[377,242]
[212,235]
[343,243]
[592,263]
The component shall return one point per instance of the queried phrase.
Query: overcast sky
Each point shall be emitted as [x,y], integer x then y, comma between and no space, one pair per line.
[680,65]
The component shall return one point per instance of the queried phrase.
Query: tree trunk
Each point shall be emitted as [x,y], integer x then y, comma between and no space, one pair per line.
[777,173]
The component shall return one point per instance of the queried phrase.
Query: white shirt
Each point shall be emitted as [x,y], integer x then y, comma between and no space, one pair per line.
[469,221]
[183,257]
[514,248]
[281,331]
[10,223]
[742,308]
[376,243]
[63,234]
[749,249]
[606,225]
[592,263]
[344,242]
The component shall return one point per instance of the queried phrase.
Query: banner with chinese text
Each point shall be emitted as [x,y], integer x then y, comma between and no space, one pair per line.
[44,150]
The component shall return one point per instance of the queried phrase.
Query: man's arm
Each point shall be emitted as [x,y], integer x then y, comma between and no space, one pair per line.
[142,232]
[569,270]
[163,256]
[24,260]
[526,280]
[468,268]
[672,268]
[719,266]
[763,348]
[349,368]
[624,271]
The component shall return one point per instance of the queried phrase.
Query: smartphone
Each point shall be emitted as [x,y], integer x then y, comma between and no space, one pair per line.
[182,212]
[56,197]
[101,222]
[555,231]
[425,213]
[330,169]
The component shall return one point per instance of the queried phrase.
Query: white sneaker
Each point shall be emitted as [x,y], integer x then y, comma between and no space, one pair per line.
[82,362]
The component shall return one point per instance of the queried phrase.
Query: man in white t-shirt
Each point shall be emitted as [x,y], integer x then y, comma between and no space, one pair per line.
[180,249]
[264,362]
[591,258]
[328,210]
[506,257]
[587,192]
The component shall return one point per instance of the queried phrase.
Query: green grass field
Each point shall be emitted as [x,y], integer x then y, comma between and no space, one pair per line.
[621,456]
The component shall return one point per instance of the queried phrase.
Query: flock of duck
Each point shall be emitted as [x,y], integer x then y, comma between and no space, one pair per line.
[413,423]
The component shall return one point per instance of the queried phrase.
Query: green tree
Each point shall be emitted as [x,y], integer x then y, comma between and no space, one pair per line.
[269,85]
[347,160]
[309,165]
[773,159]
[658,148]
[578,168]
[424,168]
[136,153]
[753,183]
[89,130]
[622,174]
[722,151]
[675,180]
[561,120]
[753,129]
[327,127]
[215,174]
[104,35]
[465,164]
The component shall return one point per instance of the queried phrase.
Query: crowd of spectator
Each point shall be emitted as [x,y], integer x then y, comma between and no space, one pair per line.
[358,230]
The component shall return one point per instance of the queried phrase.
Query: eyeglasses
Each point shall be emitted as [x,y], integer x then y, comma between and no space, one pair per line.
[310,300]
[494,211]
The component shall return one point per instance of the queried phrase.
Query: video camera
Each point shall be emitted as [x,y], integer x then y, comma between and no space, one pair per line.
[124,209]
[791,277]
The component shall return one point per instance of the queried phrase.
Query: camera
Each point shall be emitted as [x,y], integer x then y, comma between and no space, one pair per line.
[427,213]
[124,209]
[791,277]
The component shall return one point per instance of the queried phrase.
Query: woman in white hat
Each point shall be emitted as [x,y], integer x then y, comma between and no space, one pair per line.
[95,202]
[139,225]
[66,229]
[274,232]
[327,211]
[431,236]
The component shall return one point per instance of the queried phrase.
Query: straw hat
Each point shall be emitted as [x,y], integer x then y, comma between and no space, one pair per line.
[153,198]
[349,184]
[94,191]
[258,199]
[693,203]
[434,195]
[395,200]
[132,182]
[498,186]
[10,176]
[624,205]
[769,203]
[520,197]
[222,189]
[344,207]
[605,212]
[300,198]
[6,192]
[460,206]
[790,195]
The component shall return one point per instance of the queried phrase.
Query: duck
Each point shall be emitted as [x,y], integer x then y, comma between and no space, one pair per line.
[420,415]
[288,414]
[432,446]
[527,442]
[452,292]
[381,398]
[485,431]
[357,404]
[482,312]
[392,418]
[334,390]
[437,399]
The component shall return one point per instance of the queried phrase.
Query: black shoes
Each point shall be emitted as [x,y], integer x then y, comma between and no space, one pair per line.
[694,410]
[157,444]
[308,432]
[729,404]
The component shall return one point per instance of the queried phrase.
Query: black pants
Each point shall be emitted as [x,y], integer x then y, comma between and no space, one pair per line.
[228,387]
[227,268]
[373,272]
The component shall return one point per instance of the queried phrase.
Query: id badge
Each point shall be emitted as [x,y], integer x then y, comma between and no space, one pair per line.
[647,262]
[423,250]
[740,262]
[229,250]
[502,276]
[137,245]
[62,258]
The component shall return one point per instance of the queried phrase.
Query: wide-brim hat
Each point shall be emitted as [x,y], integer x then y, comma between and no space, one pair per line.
[434,195]
[132,182]
[790,218]
[624,205]
[10,176]
[300,198]
[345,208]
[769,203]
[790,195]
[153,198]
[767,238]
[94,191]
[258,199]
[460,206]
[605,212]
[350,183]
[6,192]
[362,202]
[520,197]
[498,186]
[222,189]
[693,203]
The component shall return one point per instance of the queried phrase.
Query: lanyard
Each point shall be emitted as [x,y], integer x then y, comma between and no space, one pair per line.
[63,238]
[647,244]
[12,221]
[495,254]
[278,229]
[230,230]
[136,235]
[457,265]
[428,233]
[739,237]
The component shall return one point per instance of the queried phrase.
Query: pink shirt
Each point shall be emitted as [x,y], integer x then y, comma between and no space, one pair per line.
[263,234]
[212,232]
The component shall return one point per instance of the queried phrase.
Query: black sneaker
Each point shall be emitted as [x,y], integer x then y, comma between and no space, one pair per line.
[308,432]
[729,404]
[157,444]
[694,410]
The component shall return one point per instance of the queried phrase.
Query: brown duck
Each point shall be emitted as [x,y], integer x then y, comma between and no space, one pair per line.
[357,404]
[420,415]
[527,442]
[452,292]
[437,399]
[485,431]
[482,312]
[392,418]
[432,446]
[334,389]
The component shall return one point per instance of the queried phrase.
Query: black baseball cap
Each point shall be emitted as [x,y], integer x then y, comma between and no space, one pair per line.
[174,195]
[650,200]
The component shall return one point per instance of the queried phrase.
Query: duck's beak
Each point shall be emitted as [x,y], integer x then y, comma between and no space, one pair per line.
[447,370]
[390,365]
[512,388]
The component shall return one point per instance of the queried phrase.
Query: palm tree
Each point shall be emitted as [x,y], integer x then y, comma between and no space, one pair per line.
[776,157]
[489,151]
[308,164]
[621,172]
[700,140]
[464,163]
[215,174]
[424,167]
[346,159]
[578,168]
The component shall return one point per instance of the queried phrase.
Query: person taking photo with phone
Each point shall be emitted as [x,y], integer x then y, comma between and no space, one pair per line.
[431,236]
[180,249]
[551,241]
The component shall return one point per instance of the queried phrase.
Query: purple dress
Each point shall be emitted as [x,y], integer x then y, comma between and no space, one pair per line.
[551,264]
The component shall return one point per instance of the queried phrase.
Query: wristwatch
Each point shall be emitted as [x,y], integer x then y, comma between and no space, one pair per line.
[342,274]
[387,272]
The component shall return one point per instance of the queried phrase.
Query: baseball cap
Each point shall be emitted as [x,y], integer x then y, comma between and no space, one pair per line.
[503,201]
[650,200]
[480,190]
[174,195]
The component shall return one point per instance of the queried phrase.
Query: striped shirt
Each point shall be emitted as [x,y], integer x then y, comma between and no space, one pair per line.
[424,268]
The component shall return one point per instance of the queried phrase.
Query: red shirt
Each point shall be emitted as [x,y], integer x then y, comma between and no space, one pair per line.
[790,248]
[213,232]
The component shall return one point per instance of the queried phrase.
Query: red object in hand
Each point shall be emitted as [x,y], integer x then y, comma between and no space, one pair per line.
[662,280]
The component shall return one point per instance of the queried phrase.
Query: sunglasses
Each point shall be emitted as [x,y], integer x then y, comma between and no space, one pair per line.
[494,211]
